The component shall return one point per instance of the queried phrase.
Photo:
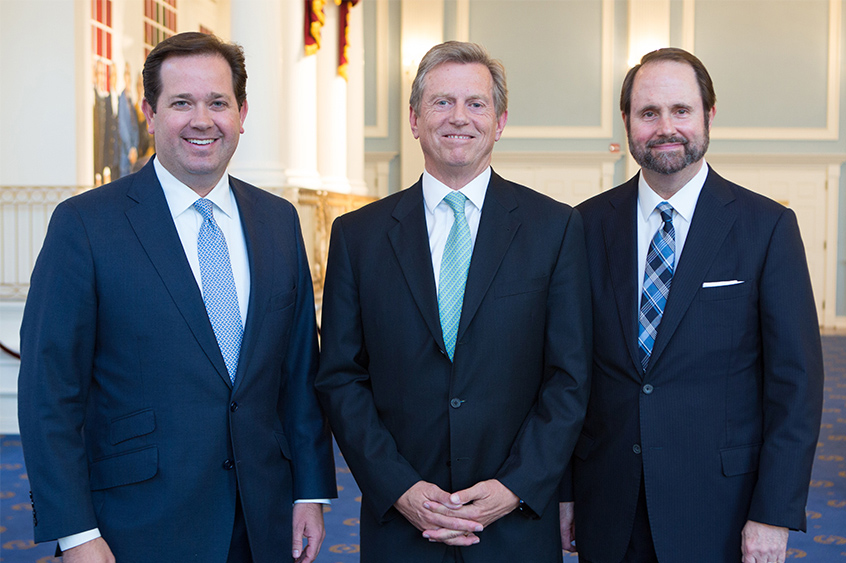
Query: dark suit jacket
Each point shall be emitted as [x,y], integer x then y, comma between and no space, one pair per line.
[724,423]
[128,419]
[511,405]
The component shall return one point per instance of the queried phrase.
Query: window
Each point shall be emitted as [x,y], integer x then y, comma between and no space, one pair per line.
[159,22]
[101,42]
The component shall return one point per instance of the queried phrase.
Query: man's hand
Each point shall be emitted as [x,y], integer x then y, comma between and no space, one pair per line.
[762,543]
[308,523]
[429,509]
[568,529]
[94,551]
[484,502]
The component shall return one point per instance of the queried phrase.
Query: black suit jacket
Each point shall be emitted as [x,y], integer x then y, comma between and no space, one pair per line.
[723,425]
[128,418]
[511,405]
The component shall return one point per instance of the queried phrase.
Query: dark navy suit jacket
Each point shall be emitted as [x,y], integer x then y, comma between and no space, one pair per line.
[509,408]
[128,419]
[723,425]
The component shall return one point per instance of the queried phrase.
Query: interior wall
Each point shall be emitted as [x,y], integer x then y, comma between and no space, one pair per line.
[776,67]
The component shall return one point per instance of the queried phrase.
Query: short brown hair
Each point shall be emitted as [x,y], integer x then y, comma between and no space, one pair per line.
[706,87]
[189,44]
[464,53]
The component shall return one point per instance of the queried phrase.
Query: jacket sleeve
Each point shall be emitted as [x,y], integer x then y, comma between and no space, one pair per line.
[792,380]
[344,386]
[534,468]
[58,336]
[305,424]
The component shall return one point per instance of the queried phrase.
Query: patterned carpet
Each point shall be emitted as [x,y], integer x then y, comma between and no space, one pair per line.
[824,542]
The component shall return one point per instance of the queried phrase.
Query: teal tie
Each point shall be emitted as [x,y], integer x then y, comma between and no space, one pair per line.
[454,267]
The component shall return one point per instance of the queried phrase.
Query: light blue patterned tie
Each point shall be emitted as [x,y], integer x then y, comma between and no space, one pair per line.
[219,293]
[656,282]
[453,275]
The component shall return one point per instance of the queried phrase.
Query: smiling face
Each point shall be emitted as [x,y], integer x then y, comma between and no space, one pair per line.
[197,123]
[668,126]
[457,125]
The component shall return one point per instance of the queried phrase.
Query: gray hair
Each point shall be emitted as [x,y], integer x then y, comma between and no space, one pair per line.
[464,53]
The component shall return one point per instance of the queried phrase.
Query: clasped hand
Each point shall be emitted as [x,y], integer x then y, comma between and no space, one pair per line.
[455,518]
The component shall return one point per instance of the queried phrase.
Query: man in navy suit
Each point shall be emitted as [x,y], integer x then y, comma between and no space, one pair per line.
[169,348]
[456,339]
[706,395]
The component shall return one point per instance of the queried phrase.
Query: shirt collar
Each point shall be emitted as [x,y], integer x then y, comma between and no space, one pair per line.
[683,201]
[434,190]
[180,197]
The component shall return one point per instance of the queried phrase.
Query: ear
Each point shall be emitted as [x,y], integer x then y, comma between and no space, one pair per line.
[625,120]
[500,124]
[412,119]
[149,116]
[243,112]
[711,113]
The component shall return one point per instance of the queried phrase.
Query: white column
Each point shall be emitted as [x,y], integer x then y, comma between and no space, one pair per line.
[422,28]
[332,109]
[279,146]
[47,117]
[299,101]
[355,105]
[258,27]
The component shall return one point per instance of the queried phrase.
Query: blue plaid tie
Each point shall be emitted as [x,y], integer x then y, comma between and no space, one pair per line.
[453,275]
[219,293]
[656,282]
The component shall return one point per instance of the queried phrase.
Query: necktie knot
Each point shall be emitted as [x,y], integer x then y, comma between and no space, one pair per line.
[456,202]
[666,211]
[204,206]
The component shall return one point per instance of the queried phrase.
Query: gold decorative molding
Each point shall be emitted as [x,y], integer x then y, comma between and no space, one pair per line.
[325,207]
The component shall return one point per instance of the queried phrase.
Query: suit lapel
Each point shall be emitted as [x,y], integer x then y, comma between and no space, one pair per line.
[619,228]
[410,241]
[260,256]
[153,224]
[496,231]
[712,220]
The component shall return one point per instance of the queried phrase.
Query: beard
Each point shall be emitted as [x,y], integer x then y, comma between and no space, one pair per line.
[667,163]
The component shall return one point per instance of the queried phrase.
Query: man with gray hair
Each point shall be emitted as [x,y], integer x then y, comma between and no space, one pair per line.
[456,331]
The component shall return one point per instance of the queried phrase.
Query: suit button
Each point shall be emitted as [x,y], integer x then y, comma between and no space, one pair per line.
[636,448]
[648,389]
[455,402]
[233,406]
[228,465]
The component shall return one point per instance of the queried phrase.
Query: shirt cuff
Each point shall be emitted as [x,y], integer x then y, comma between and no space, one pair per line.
[69,542]
[314,500]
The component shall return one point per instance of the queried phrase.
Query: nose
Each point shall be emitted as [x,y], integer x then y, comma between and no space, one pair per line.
[201,117]
[459,115]
[666,126]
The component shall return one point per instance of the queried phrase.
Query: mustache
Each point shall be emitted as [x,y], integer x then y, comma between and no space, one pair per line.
[666,141]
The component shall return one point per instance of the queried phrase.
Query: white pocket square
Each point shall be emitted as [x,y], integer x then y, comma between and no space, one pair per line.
[721,283]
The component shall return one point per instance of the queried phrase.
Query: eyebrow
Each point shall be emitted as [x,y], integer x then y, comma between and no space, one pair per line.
[656,108]
[211,96]
[473,97]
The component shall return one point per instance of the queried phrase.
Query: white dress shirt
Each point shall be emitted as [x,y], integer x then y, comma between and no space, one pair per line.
[649,219]
[440,217]
[180,199]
